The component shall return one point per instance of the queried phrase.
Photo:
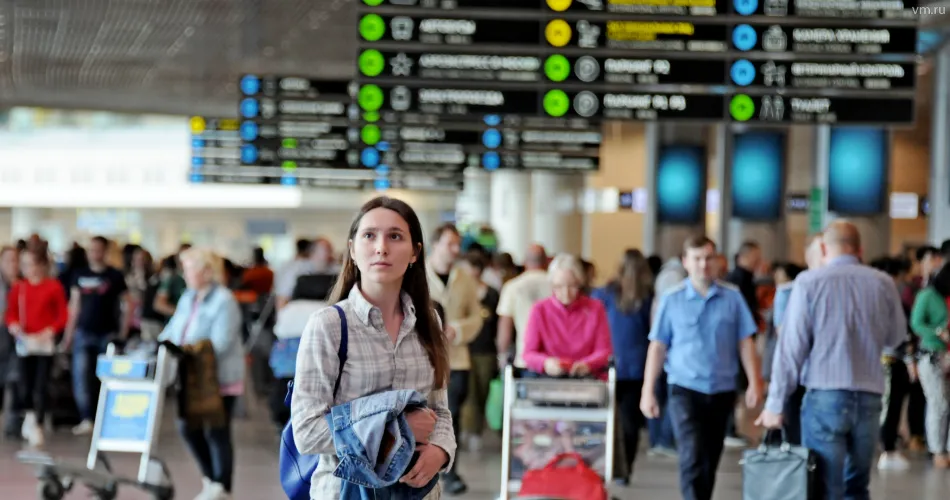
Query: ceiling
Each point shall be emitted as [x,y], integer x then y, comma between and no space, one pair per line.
[178,57]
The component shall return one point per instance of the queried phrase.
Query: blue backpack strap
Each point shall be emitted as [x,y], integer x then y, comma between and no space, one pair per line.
[341,353]
[344,347]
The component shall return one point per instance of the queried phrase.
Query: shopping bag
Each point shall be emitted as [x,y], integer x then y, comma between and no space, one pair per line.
[782,472]
[577,482]
[495,404]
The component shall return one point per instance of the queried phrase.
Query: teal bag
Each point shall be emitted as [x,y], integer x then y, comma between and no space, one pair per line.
[495,405]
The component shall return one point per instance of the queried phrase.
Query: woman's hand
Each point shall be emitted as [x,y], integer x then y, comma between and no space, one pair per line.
[552,367]
[15,329]
[580,369]
[430,462]
[422,423]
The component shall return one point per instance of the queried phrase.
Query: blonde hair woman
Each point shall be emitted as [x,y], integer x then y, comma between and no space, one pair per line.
[208,311]
[568,333]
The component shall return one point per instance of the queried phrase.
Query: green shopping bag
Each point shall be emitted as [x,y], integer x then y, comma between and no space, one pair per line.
[495,404]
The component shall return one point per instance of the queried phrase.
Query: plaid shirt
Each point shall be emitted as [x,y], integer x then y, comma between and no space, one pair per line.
[374,364]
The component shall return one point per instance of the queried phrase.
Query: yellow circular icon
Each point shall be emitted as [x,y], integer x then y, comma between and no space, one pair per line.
[197,125]
[558,33]
[559,5]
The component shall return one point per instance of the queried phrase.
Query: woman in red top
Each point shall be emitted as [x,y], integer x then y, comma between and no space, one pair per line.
[36,313]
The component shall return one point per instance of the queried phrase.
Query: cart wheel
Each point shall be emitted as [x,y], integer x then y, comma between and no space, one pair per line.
[50,489]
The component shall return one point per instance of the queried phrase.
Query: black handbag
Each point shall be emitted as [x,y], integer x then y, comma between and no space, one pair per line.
[783,472]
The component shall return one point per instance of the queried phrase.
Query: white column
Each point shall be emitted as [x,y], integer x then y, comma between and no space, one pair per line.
[474,202]
[25,221]
[553,223]
[938,222]
[511,211]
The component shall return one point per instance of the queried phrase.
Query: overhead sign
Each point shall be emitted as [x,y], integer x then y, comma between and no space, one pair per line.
[639,59]
[215,144]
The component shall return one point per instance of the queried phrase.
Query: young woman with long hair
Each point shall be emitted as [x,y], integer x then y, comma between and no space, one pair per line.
[628,300]
[395,341]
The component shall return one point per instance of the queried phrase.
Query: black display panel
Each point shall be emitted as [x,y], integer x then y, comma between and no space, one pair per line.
[823,75]
[643,7]
[824,40]
[850,9]
[821,110]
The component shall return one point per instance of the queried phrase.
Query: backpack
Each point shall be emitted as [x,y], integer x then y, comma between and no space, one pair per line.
[296,470]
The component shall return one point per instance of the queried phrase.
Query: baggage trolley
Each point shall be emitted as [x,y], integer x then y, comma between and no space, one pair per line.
[564,413]
[128,420]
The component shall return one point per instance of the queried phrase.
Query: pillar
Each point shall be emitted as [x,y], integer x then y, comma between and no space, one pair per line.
[554,223]
[511,211]
[938,223]
[474,202]
[25,221]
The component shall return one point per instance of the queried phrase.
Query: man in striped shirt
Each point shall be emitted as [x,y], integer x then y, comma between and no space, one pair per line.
[840,319]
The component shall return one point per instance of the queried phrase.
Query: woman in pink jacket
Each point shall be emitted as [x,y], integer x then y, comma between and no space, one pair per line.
[567,333]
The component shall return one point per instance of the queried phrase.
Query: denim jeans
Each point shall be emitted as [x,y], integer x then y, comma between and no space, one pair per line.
[86,350]
[660,429]
[841,427]
[213,448]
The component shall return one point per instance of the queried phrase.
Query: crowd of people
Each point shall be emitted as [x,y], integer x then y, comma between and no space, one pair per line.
[832,350]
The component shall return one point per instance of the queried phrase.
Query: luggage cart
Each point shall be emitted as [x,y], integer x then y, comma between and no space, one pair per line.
[128,420]
[585,405]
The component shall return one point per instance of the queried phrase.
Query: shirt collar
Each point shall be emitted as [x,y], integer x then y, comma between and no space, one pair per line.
[211,292]
[843,260]
[692,293]
[363,308]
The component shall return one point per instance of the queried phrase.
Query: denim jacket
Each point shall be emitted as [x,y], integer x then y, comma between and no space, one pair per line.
[358,428]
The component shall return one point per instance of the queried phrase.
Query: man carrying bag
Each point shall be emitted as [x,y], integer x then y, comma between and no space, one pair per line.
[778,472]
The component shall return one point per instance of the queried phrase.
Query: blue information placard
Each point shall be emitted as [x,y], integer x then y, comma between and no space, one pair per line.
[127,415]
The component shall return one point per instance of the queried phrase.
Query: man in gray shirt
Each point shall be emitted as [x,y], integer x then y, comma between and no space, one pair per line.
[839,320]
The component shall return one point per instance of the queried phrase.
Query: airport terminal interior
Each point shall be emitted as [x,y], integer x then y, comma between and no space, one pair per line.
[672,249]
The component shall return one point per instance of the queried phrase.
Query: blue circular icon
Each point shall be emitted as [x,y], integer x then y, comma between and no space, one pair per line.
[288,180]
[250,85]
[745,7]
[491,139]
[383,170]
[197,143]
[250,108]
[197,178]
[382,146]
[382,184]
[197,161]
[249,131]
[492,120]
[742,72]
[369,157]
[744,37]
[491,160]
[248,153]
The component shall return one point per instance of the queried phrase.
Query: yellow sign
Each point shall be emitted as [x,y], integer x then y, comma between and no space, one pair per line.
[198,125]
[120,368]
[230,125]
[558,33]
[559,5]
[131,405]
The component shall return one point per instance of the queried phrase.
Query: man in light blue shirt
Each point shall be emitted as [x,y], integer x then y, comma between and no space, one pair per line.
[839,320]
[702,328]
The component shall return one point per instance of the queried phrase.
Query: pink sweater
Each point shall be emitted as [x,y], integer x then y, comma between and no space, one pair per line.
[575,333]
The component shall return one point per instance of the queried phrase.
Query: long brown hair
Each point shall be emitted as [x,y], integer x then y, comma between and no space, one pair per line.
[414,283]
[633,282]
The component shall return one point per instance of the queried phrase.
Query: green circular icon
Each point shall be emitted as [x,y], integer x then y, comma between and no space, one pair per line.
[371,117]
[372,28]
[371,135]
[557,68]
[741,108]
[372,63]
[556,103]
[373,3]
[370,98]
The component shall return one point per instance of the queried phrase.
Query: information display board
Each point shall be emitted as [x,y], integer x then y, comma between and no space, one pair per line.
[694,60]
